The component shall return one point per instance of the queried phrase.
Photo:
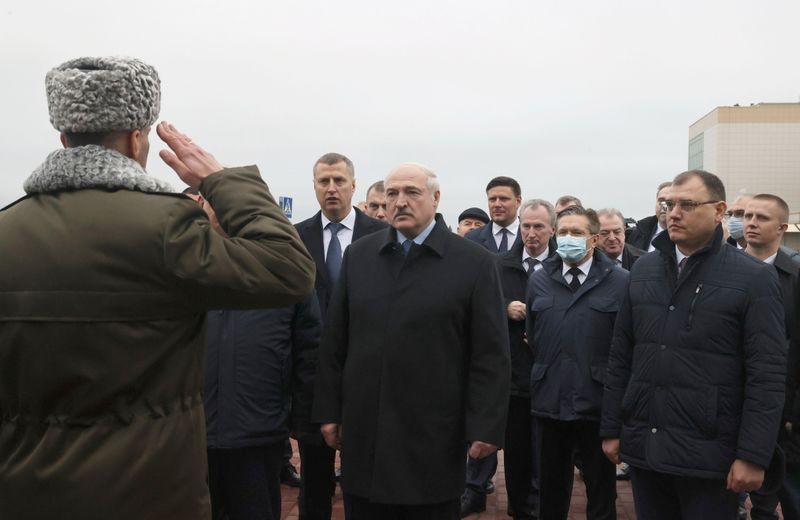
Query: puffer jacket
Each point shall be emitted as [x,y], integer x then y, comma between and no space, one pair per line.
[696,370]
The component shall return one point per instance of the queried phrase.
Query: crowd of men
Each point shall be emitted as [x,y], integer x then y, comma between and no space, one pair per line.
[156,345]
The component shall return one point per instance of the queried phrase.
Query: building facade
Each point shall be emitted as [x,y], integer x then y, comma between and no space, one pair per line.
[753,149]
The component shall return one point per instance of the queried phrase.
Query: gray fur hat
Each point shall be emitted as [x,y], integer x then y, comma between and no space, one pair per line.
[103,95]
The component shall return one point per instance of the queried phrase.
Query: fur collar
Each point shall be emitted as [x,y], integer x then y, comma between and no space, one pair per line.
[88,167]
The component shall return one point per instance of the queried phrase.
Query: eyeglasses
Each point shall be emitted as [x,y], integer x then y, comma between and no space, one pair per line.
[739,213]
[684,205]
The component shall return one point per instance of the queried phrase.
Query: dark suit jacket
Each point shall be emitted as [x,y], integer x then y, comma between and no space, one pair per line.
[413,364]
[483,236]
[514,279]
[640,235]
[310,231]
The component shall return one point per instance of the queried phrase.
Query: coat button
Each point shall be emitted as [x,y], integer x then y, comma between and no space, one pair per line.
[672,307]
[663,347]
[654,430]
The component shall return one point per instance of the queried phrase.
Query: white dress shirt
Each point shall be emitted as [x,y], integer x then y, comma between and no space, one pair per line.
[497,231]
[541,258]
[345,235]
[584,267]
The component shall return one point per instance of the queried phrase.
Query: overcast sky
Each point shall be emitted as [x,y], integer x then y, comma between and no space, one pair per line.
[584,97]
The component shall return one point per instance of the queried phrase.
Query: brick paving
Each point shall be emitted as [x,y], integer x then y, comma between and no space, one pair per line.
[495,504]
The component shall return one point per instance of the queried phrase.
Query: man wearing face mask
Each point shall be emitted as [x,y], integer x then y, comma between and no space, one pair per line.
[735,220]
[572,303]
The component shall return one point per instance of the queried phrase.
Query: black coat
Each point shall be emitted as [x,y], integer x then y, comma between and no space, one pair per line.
[570,334]
[640,235]
[788,278]
[414,364]
[630,255]
[483,236]
[514,280]
[259,365]
[310,231]
[696,371]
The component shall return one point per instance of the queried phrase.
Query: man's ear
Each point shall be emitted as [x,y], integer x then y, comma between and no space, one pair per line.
[132,144]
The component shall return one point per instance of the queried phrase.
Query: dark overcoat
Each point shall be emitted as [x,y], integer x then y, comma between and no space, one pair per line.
[639,236]
[514,279]
[414,364]
[696,370]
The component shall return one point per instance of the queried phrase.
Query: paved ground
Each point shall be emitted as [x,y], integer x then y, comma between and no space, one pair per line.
[495,504]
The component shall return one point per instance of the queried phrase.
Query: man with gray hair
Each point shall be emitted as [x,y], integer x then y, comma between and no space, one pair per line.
[414,363]
[376,201]
[103,304]
[612,238]
[537,225]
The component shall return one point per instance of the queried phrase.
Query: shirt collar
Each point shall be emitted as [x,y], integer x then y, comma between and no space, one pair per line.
[771,259]
[679,256]
[349,221]
[513,227]
[419,239]
[584,267]
[541,258]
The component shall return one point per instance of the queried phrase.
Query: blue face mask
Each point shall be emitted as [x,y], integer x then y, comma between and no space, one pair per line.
[570,248]
[736,228]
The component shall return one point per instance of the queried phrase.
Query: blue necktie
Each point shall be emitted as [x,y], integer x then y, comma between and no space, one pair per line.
[532,263]
[333,260]
[407,247]
[503,248]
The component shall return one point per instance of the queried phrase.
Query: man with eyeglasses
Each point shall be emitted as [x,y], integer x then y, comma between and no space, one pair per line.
[612,238]
[695,384]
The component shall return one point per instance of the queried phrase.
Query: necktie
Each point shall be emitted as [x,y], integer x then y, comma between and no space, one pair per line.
[503,247]
[575,283]
[682,264]
[532,263]
[333,260]
[407,247]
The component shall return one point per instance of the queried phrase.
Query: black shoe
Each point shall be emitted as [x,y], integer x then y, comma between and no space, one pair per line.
[472,502]
[289,476]
[489,489]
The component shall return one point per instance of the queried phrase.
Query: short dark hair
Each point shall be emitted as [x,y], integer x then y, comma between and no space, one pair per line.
[377,186]
[716,190]
[507,182]
[590,214]
[75,139]
[782,206]
[568,200]
[332,158]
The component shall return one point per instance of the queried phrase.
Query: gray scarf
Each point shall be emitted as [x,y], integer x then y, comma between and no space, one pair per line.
[92,166]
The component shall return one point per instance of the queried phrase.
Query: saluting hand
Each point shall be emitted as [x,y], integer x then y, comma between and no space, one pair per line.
[190,162]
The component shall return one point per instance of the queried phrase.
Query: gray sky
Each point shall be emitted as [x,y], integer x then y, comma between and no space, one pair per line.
[588,98]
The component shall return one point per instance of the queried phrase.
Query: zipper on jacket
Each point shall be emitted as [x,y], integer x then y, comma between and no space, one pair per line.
[691,306]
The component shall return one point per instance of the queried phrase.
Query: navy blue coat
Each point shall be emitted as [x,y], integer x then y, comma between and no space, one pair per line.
[696,371]
[483,236]
[571,335]
[259,367]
